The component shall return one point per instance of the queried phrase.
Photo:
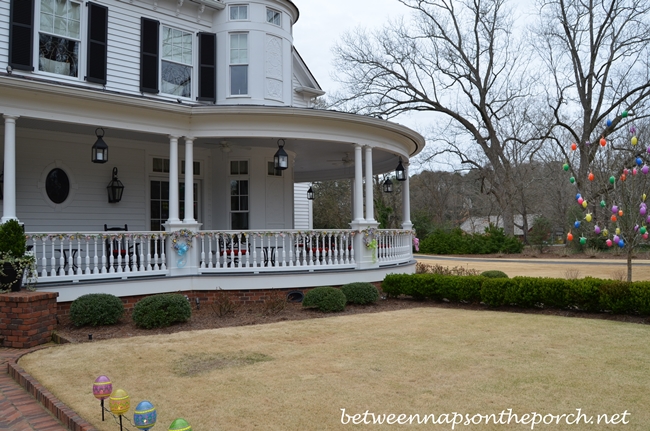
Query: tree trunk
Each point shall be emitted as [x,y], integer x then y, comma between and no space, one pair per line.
[629,266]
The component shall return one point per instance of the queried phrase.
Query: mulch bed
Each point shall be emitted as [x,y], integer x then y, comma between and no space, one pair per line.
[208,317]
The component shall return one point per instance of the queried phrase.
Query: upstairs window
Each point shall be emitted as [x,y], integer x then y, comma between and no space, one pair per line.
[274,17]
[239,64]
[59,37]
[238,12]
[176,64]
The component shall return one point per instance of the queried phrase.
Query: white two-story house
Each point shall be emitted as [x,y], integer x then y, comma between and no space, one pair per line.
[169,120]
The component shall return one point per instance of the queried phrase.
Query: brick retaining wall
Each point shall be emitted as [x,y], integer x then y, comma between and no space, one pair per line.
[27,319]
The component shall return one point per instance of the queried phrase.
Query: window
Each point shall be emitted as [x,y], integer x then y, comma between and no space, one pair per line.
[271,171]
[239,64]
[59,37]
[274,17]
[238,12]
[160,165]
[176,65]
[239,195]
[196,167]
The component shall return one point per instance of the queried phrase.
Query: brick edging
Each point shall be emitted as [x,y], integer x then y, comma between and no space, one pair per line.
[63,413]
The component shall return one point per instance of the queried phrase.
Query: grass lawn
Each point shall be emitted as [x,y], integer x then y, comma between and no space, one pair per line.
[298,375]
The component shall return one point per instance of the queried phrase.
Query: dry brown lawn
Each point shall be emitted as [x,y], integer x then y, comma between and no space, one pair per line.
[298,375]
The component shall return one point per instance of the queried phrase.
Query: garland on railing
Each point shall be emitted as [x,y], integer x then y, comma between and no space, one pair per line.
[88,237]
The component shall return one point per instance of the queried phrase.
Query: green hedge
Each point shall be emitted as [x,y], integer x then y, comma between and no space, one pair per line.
[588,294]
[360,293]
[326,299]
[494,274]
[96,309]
[456,241]
[158,311]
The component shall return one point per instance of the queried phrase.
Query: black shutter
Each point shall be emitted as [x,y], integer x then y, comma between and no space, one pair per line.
[149,55]
[207,67]
[20,34]
[97,43]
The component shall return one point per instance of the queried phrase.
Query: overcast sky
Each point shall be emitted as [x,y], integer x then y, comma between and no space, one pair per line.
[323,22]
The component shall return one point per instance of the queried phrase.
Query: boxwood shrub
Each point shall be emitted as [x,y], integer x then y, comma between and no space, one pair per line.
[587,294]
[96,309]
[360,293]
[494,274]
[158,311]
[326,299]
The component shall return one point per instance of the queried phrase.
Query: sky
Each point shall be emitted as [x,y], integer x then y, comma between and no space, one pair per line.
[322,23]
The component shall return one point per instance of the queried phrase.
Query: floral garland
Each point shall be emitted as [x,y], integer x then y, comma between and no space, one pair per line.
[182,240]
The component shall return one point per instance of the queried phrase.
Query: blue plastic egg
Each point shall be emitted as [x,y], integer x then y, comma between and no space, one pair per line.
[144,416]
[639,161]
[621,243]
[609,122]
[577,224]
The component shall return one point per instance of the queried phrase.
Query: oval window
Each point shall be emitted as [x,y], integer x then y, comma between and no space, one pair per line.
[57,185]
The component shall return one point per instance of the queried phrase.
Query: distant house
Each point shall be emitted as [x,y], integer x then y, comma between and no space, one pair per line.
[479,224]
[192,107]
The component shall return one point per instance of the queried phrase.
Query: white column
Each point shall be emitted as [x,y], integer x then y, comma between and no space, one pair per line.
[406,201]
[370,202]
[173,180]
[9,190]
[358,185]
[189,181]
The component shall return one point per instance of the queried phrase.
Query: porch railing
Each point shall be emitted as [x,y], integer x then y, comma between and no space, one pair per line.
[64,257]
[93,255]
[274,250]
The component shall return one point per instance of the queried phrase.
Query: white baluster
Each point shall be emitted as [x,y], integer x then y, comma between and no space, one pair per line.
[44,260]
[105,259]
[163,257]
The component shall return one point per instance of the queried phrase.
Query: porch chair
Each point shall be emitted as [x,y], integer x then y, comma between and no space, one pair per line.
[118,247]
[232,256]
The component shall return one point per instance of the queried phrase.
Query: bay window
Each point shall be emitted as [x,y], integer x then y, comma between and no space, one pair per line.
[239,64]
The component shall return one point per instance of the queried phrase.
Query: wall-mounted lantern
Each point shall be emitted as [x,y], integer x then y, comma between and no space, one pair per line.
[100,149]
[281,158]
[310,194]
[115,189]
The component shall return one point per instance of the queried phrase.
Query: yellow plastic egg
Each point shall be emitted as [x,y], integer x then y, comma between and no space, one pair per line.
[119,402]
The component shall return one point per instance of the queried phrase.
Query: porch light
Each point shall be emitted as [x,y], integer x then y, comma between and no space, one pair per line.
[399,171]
[115,188]
[310,194]
[388,186]
[100,149]
[281,158]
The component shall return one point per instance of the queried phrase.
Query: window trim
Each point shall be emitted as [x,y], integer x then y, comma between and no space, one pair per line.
[192,65]
[238,177]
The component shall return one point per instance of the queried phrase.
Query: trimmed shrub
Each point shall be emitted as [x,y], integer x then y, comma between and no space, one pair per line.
[615,297]
[158,311]
[326,299]
[360,293]
[494,274]
[456,241]
[96,309]
[640,297]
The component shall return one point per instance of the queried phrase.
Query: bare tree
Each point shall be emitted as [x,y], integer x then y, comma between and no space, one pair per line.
[597,53]
[460,60]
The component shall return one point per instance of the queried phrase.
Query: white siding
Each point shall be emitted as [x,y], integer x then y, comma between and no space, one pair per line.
[299,100]
[4,34]
[302,209]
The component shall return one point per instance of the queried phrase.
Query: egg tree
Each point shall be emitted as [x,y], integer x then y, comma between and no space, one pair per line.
[613,194]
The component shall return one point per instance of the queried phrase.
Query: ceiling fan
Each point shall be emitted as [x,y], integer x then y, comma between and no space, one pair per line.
[346,160]
[227,146]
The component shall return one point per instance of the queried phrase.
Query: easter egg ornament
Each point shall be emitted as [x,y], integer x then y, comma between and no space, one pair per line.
[572,180]
[597,230]
[612,180]
[102,389]
[621,243]
[580,201]
[605,232]
[620,213]
[145,415]
[583,240]
[616,238]
[584,204]
[588,218]
[634,140]
[609,123]
[603,204]
[119,403]
[608,242]
[577,224]
[603,142]
[180,424]
[591,176]
[614,209]
[639,161]
[614,218]
[574,147]
[624,114]
[617,231]
[565,166]
[643,230]
[578,196]
[569,236]
[645,169]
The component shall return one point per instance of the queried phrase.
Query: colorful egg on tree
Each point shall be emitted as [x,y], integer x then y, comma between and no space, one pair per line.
[617,231]
[621,243]
[603,142]
[584,204]
[602,204]
[102,388]
[616,238]
[576,224]
[634,171]
[578,196]
[583,240]
[119,402]
[608,242]
[643,229]
[614,218]
[605,232]
[639,161]
[574,146]
[569,236]
[645,169]
[597,230]
[620,213]
[647,220]
[580,201]
[180,425]
[624,114]
[609,122]
[588,218]
[612,180]
[591,176]
[643,210]
[145,415]
[572,180]
[565,166]
[634,140]
[614,209]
